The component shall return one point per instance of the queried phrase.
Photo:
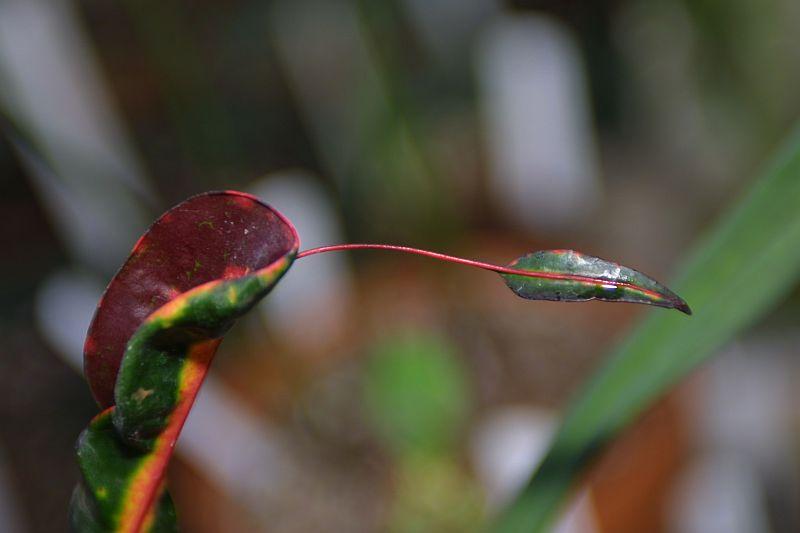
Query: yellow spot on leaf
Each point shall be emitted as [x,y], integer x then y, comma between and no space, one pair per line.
[190,273]
[141,394]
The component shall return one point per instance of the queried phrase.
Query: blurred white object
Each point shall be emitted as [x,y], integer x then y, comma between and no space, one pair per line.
[64,306]
[743,421]
[538,123]
[579,516]
[507,447]
[52,87]
[239,452]
[310,305]
[760,382]
[718,494]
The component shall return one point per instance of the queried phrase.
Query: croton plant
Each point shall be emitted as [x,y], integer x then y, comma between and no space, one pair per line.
[200,266]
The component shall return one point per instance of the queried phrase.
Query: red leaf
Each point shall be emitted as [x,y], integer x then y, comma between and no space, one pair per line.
[207,237]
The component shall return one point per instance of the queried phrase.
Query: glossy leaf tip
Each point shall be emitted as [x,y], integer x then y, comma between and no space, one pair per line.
[570,276]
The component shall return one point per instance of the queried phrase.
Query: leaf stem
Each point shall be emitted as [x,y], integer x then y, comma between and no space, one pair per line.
[461,261]
[426,253]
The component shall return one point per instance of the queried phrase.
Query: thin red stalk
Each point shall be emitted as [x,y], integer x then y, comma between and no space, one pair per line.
[469,262]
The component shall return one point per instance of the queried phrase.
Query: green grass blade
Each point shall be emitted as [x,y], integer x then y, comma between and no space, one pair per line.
[743,268]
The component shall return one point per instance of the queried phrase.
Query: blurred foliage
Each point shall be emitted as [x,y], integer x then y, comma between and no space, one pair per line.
[417,398]
[416,394]
[435,495]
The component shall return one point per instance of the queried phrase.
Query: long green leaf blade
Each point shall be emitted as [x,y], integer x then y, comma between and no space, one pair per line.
[740,270]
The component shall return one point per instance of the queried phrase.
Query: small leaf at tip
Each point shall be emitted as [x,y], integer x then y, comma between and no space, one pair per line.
[570,276]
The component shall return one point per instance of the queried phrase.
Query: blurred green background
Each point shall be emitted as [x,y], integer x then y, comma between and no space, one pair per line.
[379,392]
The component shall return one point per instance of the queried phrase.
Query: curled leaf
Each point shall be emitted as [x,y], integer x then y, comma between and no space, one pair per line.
[570,276]
[209,237]
[200,266]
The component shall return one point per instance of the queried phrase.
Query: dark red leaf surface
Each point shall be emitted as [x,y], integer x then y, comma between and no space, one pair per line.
[208,237]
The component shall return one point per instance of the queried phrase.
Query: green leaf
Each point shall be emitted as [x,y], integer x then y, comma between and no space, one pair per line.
[98,501]
[416,393]
[570,276]
[742,269]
